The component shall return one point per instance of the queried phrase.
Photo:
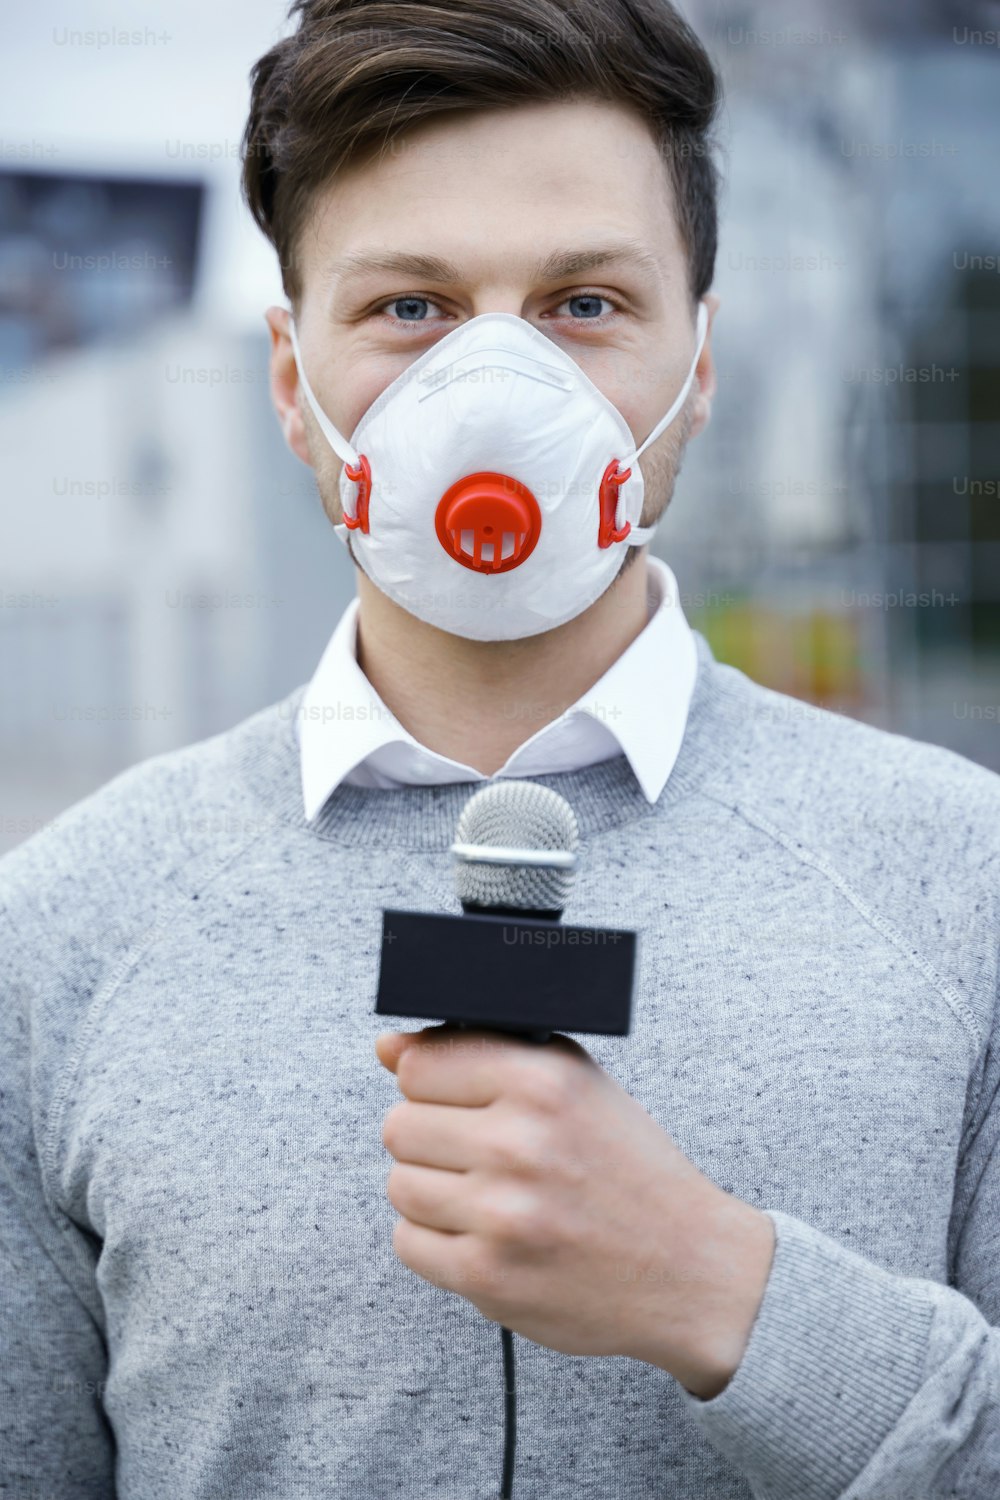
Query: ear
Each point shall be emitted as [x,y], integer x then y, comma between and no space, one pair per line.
[706,381]
[285,384]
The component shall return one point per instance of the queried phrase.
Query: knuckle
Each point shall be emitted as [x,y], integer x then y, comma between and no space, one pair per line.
[544,1088]
[471,1261]
[513,1216]
[481,1267]
[523,1146]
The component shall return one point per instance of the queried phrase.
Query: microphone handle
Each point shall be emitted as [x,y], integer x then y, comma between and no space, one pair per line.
[540,1035]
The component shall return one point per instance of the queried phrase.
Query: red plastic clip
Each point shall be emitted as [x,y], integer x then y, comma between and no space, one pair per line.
[362,477]
[610,486]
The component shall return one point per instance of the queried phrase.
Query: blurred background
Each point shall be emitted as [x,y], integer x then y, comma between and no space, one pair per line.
[165,565]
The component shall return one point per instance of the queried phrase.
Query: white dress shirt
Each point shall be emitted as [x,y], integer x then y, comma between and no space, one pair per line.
[639,708]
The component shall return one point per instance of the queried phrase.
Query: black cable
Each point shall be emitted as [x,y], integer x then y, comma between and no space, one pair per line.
[509,1414]
[506,1337]
[507,1345]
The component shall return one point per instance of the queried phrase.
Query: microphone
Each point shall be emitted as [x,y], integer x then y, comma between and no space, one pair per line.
[516,844]
[508,963]
[516,852]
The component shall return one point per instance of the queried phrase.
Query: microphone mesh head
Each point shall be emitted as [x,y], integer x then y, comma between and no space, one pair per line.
[516,815]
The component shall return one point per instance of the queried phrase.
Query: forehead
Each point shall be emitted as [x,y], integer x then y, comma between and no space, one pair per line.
[525,188]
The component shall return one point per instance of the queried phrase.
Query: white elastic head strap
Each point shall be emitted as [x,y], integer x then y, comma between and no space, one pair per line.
[678,404]
[340,446]
[639,535]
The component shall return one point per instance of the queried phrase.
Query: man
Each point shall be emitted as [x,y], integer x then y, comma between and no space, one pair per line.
[775,1204]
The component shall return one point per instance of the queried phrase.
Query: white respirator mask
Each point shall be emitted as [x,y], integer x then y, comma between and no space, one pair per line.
[491,489]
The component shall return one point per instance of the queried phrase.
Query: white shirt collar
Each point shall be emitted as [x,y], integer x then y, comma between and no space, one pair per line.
[639,708]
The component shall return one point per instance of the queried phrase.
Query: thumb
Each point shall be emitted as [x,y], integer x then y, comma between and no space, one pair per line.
[390,1046]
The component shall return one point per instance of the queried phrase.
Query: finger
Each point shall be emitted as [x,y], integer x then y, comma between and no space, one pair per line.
[432,1135]
[427,1252]
[437,1200]
[463,1067]
[448,1261]
[390,1046]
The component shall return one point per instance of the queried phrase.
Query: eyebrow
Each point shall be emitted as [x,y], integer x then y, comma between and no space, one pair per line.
[551,268]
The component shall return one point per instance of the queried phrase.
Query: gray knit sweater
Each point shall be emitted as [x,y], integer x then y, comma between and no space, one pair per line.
[200,1300]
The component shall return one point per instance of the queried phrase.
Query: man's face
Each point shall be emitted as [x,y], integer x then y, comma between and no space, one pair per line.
[496,195]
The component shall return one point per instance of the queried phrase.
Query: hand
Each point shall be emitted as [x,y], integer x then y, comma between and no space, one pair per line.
[532,1184]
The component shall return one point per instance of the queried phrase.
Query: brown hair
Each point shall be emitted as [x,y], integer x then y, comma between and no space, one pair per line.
[356,73]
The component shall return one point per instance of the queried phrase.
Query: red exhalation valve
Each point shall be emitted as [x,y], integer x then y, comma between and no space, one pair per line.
[488,522]
[610,485]
[362,477]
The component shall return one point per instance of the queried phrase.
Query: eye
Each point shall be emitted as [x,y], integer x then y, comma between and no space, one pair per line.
[587,305]
[411,307]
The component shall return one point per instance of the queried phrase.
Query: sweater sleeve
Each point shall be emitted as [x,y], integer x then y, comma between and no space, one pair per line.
[861,1384]
[55,1439]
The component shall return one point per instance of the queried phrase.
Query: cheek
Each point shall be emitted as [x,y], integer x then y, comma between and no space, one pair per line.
[352,403]
[650,404]
[640,391]
[653,388]
[359,378]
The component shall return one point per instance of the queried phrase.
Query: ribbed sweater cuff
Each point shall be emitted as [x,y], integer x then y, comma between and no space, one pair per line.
[836,1353]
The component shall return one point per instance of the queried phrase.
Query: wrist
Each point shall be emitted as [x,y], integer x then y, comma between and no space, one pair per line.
[732,1249]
